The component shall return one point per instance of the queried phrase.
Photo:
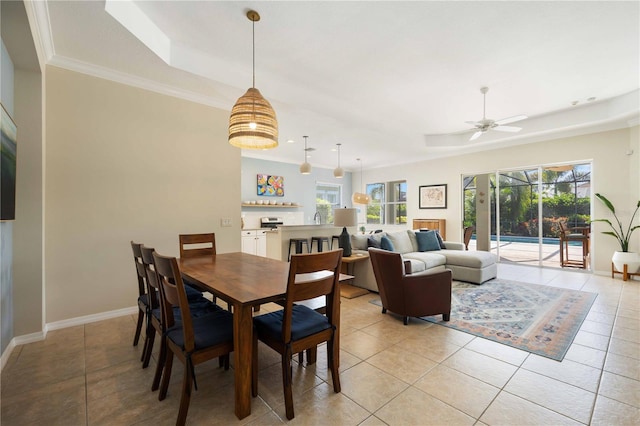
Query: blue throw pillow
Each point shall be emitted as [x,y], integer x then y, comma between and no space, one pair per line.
[386,244]
[440,240]
[427,241]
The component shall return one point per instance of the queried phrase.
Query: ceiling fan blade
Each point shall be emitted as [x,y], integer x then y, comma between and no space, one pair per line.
[475,136]
[511,129]
[511,119]
[473,123]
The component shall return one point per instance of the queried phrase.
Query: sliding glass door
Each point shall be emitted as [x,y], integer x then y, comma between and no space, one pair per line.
[517,214]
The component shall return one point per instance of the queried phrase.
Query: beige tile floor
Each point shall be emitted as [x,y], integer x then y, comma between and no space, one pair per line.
[391,374]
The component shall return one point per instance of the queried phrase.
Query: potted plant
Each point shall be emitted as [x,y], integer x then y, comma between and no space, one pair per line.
[624,256]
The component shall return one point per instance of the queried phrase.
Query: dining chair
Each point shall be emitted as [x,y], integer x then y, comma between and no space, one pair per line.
[197,245]
[199,305]
[143,303]
[192,340]
[296,327]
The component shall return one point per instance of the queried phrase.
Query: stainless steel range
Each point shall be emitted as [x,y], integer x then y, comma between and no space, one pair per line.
[270,222]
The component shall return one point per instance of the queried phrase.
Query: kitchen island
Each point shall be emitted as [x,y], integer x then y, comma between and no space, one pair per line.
[278,240]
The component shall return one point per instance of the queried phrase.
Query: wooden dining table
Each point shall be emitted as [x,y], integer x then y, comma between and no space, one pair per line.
[244,281]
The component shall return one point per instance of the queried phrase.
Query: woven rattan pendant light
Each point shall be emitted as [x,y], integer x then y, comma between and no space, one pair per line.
[253,123]
[360,197]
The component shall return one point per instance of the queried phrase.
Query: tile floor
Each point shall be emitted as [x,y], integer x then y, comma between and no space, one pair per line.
[391,374]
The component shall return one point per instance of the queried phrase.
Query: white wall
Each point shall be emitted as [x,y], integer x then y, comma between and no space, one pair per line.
[126,164]
[614,173]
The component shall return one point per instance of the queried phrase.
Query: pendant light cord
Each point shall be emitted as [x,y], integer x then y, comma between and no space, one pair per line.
[253,34]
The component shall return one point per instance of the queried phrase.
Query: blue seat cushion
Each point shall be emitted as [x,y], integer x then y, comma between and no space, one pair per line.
[143,300]
[305,322]
[192,293]
[208,330]
[198,309]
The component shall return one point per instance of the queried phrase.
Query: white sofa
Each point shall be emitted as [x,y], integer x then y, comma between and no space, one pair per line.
[470,266]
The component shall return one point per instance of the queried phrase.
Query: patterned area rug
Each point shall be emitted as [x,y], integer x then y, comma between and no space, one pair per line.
[539,319]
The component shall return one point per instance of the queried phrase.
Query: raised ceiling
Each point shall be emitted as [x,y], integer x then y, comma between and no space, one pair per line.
[394,82]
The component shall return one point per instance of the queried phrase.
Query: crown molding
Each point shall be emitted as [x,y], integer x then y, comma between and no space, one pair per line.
[38,16]
[135,81]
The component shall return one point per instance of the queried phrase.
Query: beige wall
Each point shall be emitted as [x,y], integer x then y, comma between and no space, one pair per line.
[615,173]
[127,164]
[28,231]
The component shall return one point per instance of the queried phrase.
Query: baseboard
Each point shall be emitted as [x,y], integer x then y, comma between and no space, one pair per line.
[87,319]
[58,325]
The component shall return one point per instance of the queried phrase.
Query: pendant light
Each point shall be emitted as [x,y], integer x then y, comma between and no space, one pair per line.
[305,168]
[360,197]
[253,123]
[338,172]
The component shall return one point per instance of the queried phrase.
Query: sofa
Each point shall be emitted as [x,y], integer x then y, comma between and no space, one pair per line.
[470,266]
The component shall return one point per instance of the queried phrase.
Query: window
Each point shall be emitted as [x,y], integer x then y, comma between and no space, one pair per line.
[388,204]
[328,197]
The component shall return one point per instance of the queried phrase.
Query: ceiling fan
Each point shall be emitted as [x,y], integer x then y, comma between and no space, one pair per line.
[488,124]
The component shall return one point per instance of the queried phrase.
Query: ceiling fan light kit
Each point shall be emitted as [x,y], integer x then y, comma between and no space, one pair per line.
[487,124]
[253,123]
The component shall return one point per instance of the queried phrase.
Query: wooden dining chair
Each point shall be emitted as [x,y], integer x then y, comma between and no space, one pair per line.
[196,245]
[192,340]
[143,301]
[296,327]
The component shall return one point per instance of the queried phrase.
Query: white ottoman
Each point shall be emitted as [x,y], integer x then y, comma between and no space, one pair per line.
[471,266]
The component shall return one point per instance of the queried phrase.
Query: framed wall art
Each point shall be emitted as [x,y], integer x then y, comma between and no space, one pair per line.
[433,196]
[270,185]
[8,157]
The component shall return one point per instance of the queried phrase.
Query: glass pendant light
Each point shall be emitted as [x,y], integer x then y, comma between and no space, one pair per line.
[338,172]
[360,197]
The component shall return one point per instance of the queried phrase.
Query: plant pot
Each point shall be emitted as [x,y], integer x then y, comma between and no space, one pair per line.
[631,259]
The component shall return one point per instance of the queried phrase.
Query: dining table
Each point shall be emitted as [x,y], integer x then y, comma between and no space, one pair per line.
[245,281]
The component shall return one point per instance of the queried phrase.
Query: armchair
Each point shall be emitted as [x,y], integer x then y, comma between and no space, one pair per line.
[408,295]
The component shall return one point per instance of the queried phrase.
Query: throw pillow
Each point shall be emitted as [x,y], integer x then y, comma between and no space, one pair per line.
[359,242]
[373,242]
[386,244]
[440,240]
[400,241]
[427,241]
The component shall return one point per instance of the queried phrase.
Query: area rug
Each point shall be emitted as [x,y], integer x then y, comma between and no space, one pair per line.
[539,319]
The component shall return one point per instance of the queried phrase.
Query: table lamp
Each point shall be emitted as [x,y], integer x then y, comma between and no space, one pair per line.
[345,217]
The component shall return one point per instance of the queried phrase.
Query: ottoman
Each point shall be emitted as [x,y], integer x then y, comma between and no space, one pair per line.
[471,266]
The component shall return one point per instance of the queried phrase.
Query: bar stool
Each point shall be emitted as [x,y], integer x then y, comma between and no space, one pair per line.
[567,236]
[298,242]
[335,237]
[319,243]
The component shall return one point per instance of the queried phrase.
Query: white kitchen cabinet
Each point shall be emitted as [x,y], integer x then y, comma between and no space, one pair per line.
[254,241]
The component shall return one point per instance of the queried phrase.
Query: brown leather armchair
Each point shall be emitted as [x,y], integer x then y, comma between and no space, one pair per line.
[415,295]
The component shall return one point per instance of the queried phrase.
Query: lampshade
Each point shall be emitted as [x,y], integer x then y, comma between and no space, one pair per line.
[338,172]
[253,123]
[345,217]
[360,198]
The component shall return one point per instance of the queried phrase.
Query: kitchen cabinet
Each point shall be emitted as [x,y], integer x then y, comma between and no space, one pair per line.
[254,241]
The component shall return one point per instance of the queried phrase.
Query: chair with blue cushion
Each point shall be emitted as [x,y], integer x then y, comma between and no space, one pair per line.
[410,295]
[297,328]
[143,302]
[156,322]
[192,340]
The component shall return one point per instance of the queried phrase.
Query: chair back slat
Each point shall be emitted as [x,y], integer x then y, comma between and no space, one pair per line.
[170,279]
[150,277]
[205,245]
[137,258]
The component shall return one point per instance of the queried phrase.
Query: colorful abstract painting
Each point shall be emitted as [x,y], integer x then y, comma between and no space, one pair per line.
[270,185]
[8,152]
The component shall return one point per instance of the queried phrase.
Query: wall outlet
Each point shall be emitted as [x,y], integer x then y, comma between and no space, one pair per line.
[225,222]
